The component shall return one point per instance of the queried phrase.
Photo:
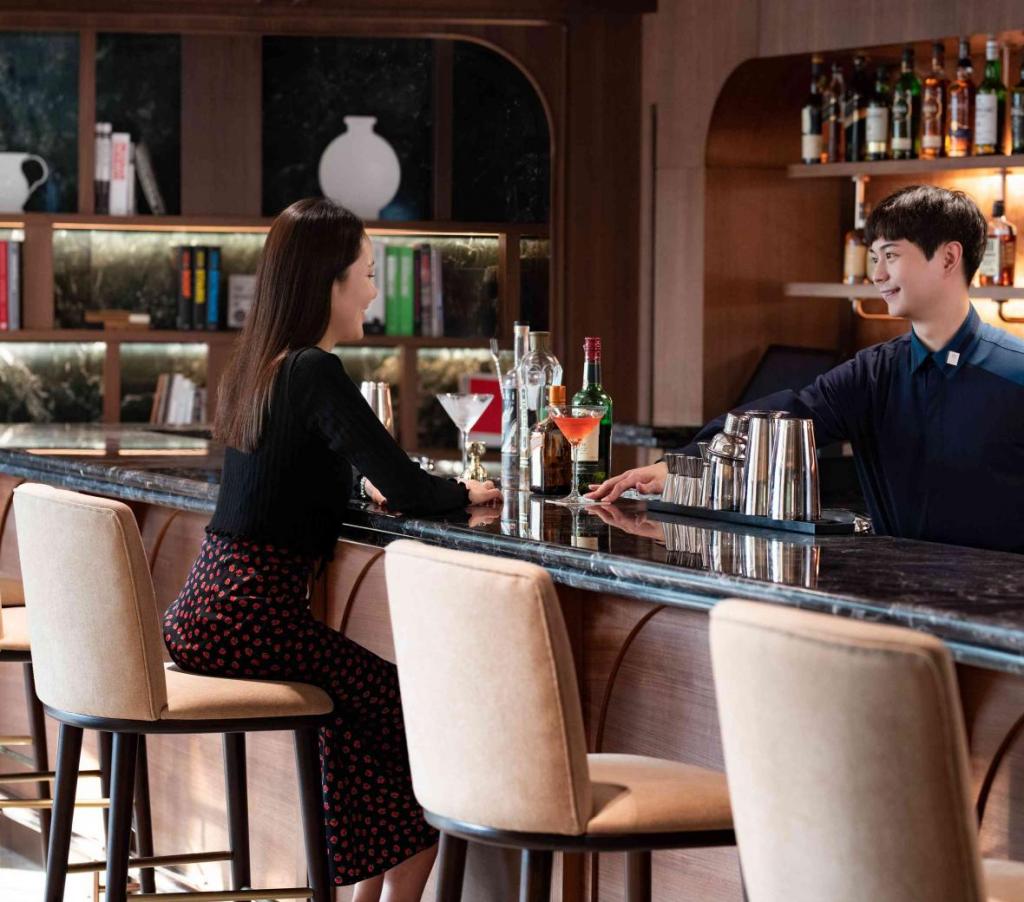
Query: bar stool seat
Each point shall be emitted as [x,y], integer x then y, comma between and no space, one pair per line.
[14,632]
[1004,880]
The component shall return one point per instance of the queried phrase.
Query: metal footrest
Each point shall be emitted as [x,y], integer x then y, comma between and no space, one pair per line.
[154,861]
[48,803]
[40,776]
[231,895]
[14,740]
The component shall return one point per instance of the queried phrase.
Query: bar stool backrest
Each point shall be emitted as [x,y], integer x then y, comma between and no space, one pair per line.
[492,709]
[846,758]
[93,623]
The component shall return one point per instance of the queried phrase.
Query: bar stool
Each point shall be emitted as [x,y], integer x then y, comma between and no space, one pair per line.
[495,730]
[97,652]
[847,761]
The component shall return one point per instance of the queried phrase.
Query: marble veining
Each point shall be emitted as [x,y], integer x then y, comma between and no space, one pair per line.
[971,598]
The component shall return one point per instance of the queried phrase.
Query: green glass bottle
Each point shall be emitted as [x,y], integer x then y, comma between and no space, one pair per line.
[1017,115]
[990,104]
[595,453]
[906,111]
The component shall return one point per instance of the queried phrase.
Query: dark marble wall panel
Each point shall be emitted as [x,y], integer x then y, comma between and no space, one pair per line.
[440,370]
[469,269]
[142,363]
[311,84]
[501,143]
[39,112]
[137,271]
[535,281]
[138,90]
[51,382]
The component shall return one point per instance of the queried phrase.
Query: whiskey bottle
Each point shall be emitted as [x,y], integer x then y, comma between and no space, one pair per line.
[595,452]
[960,131]
[810,117]
[933,106]
[855,251]
[906,110]
[1000,249]
[550,453]
[877,131]
[1017,115]
[990,104]
[855,111]
[832,117]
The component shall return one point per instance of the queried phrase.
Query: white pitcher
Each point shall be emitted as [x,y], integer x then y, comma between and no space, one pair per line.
[15,187]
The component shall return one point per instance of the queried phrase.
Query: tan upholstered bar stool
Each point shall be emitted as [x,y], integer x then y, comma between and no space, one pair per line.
[495,729]
[847,761]
[97,651]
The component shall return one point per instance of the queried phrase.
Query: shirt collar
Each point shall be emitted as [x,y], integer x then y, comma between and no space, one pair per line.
[948,359]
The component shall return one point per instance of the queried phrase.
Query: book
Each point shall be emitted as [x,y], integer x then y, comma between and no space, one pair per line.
[437,289]
[101,170]
[199,288]
[183,320]
[374,319]
[147,180]
[424,292]
[391,316]
[159,396]
[405,290]
[130,179]
[14,284]
[119,151]
[241,294]
[417,286]
[5,321]
[215,318]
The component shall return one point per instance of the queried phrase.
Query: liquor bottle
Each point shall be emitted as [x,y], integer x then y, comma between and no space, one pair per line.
[595,453]
[906,110]
[550,453]
[810,117]
[538,370]
[855,251]
[509,409]
[877,131]
[1017,115]
[960,131]
[855,111]
[1000,249]
[832,117]
[990,104]
[933,106]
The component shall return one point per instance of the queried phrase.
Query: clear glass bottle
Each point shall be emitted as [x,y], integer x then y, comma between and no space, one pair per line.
[550,452]
[538,370]
[510,409]
[832,117]
[855,111]
[960,125]
[595,454]
[997,264]
[933,106]
[906,111]
[1017,115]
[877,128]
[810,117]
[990,104]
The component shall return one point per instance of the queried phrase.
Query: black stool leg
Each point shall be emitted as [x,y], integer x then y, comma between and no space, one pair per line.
[40,751]
[104,746]
[143,817]
[535,876]
[451,867]
[235,785]
[126,751]
[638,876]
[307,760]
[69,753]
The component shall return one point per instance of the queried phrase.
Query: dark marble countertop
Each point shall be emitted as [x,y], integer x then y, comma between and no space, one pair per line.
[972,599]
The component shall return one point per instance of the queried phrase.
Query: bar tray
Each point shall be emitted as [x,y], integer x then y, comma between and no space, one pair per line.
[833,522]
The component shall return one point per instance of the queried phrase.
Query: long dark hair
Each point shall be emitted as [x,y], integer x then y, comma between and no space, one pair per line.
[311,245]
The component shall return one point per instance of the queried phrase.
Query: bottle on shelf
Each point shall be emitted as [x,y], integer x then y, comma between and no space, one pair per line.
[933,106]
[1000,249]
[595,453]
[810,117]
[960,131]
[538,370]
[855,250]
[509,409]
[832,117]
[855,111]
[877,128]
[990,104]
[550,452]
[1017,114]
[906,110]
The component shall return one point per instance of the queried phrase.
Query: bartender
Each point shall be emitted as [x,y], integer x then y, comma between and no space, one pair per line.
[935,416]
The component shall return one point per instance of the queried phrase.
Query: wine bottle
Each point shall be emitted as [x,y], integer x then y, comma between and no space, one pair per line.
[906,110]
[810,117]
[595,453]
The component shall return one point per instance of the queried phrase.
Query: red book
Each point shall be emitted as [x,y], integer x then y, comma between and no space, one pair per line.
[5,319]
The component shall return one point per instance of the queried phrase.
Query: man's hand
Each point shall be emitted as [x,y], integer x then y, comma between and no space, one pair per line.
[646,480]
[636,524]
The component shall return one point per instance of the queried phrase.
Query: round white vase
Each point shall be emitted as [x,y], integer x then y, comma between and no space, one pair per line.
[359,169]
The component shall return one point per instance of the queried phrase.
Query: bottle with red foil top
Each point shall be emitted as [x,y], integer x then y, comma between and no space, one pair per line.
[596,451]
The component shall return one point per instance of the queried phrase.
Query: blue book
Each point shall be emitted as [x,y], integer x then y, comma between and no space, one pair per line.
[215,309]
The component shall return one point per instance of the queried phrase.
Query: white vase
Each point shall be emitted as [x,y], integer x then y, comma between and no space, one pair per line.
[359,169]
[15,187]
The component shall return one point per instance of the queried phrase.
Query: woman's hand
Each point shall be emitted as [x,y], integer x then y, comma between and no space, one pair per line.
[482,514]
[481,492]
[373,493]
[646,480]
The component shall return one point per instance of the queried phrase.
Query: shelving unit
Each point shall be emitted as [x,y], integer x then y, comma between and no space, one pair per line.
[979,165]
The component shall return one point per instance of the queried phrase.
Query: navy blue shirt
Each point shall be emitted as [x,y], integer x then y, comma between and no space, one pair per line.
[938,438]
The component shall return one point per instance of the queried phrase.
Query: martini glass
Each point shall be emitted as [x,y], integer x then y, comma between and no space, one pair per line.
[576,422]
[465,409]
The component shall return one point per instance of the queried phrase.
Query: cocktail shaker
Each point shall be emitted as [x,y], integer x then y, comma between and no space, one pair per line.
[761,433]
[794,492]
[683,482]
[723,478]
[378,396]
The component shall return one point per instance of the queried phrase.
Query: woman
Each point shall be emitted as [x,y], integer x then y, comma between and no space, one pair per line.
[294,425]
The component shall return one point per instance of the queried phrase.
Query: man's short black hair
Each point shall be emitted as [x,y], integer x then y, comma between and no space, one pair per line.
[928,216]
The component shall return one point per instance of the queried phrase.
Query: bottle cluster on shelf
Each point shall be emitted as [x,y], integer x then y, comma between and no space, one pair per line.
[865,115]
[119,161]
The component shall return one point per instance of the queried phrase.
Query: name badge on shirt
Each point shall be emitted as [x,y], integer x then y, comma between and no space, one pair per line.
[952,358]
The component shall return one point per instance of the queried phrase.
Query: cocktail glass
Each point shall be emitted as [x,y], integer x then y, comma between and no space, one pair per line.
[576,422]
[465,409]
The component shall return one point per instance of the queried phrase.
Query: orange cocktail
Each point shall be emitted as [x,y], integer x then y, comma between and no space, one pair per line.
[576,422]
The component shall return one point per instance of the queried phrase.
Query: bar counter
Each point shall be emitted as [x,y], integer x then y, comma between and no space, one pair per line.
[634,590]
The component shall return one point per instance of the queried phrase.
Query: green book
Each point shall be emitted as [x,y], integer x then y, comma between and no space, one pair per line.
[406,290]
[392,318]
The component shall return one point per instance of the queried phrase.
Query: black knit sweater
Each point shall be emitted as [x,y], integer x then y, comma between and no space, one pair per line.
[293,490]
